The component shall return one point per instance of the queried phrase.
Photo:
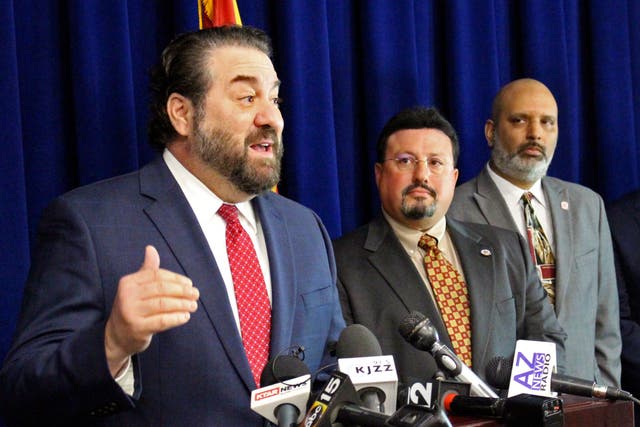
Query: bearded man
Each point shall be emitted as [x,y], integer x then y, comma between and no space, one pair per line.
[232,274]
[394,265]
[565,224]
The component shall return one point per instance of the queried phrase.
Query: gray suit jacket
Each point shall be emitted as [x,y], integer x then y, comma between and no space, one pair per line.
[379,286]
[586,292]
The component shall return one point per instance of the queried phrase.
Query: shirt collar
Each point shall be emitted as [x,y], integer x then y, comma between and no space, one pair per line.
[512,193]
[409,237]
[204,202]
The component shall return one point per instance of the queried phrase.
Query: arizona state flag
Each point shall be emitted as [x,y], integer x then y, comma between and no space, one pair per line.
[214,13]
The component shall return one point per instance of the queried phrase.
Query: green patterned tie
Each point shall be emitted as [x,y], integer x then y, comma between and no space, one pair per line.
[540,249]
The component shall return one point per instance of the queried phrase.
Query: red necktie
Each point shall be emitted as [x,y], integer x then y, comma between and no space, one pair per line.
[452,297]
[251,292]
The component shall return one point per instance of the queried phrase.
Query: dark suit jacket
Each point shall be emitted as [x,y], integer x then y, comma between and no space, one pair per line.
[379,286]
[624,219]
[586,294]
[193,375]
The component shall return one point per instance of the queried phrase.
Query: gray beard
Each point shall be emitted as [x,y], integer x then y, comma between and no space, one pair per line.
[419,210]
[515,166]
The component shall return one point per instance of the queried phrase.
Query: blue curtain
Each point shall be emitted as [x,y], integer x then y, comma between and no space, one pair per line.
[74,84]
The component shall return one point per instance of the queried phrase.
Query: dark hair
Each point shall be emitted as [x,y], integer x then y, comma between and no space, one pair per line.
[183,69]
[417,118]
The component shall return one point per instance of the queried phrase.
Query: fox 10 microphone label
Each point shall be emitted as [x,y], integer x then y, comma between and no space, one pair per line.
[533,364]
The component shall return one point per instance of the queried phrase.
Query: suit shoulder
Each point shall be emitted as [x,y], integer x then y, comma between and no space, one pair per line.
[573,188]
[286,205]
[487,231]
[467,188]
[354,238]
[627,203]
[120,186]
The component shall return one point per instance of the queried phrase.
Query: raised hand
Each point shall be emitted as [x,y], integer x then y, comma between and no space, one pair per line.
[148,301]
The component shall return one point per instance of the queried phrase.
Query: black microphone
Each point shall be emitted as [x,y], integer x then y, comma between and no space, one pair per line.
[418,330]
[521,410]
[375,378]
[283,397]
[338,402]
[498,373]
[431,393]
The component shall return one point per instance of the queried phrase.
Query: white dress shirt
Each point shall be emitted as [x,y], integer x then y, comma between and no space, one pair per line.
[409,238]
[512,196]
[205,205]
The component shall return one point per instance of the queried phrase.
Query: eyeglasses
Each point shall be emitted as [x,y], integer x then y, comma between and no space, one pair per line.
[408,163]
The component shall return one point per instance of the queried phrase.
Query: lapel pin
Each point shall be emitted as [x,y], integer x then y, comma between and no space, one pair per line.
[485,252]
[564,205]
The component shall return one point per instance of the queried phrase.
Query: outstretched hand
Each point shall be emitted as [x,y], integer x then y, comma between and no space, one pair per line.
[148,301]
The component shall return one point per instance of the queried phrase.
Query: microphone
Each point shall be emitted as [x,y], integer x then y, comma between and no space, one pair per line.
[373,375]
[418,330]
[431,393]
[498,373]
[338,404]
[284,397]
[520,410]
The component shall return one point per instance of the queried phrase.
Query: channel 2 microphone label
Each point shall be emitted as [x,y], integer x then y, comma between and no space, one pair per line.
[533,364]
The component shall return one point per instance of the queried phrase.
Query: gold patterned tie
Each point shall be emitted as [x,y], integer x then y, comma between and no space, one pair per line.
[540,249]
[452,297]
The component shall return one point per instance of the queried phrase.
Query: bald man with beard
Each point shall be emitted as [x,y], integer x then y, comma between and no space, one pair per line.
[522,134]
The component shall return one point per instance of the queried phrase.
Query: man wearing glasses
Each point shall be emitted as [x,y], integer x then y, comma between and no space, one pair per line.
[395,264]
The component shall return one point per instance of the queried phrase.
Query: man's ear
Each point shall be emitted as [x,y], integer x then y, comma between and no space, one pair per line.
[180,111]
[489,132]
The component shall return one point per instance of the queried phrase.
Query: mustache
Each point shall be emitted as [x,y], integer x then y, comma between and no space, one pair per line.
[431,190]
[533,144]
[262,133]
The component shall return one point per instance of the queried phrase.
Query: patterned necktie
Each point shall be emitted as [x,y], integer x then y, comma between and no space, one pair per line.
[252,299]
[452,297]
[540,249]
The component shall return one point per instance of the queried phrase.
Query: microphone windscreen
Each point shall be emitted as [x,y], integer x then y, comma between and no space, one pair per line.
[498,372]
[282,368]
[357,341]
[409,323]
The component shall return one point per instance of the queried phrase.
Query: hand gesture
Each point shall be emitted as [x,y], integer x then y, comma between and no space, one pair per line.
[148,301]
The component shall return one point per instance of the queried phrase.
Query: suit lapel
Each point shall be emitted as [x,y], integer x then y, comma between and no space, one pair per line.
[492,204]
[192,252]
[476,258]
[283,274]
[562,213]
[390,259]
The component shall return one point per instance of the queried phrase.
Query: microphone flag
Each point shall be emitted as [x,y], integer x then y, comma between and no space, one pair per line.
[533,364]
[377,372]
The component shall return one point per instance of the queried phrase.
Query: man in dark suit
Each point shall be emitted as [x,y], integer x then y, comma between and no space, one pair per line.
[624,219]
[103,341]
[381,266]
[522,134]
